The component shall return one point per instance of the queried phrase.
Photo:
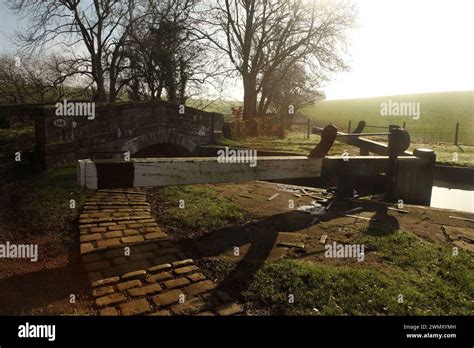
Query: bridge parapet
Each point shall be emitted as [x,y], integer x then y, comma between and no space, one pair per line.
[127,126]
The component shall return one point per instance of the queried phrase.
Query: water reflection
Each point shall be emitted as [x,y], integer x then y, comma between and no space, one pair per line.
[443,197]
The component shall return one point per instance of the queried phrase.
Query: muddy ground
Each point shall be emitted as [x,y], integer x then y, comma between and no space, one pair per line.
[274,231]
[45,287]
[273,222]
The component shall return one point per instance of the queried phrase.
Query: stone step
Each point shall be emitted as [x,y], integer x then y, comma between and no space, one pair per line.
[135,269]
[162,290]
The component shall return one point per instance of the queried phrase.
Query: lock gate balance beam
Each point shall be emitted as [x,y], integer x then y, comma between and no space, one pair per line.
[414,176]
[147,172]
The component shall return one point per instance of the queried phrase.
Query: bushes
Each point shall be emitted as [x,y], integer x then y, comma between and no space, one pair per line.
[256,127]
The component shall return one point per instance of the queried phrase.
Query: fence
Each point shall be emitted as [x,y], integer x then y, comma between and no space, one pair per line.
[303,127]
[446,132]
[264,127]
[453,133]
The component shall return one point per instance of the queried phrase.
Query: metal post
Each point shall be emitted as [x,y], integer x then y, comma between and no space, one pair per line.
[307,133]
[456,135]
[392,164]
[349,127]
[212,127]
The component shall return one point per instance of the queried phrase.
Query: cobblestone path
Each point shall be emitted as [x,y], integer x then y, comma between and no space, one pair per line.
[133,266]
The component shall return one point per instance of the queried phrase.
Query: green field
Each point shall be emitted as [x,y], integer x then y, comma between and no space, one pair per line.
[435,129]
[295,142]
[437,122]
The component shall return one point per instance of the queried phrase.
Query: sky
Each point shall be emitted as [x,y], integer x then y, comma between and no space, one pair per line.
[8,24]
[409,46]
[398,47]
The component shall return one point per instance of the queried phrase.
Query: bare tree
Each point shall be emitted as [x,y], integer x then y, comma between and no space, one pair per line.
[263,37]
[93,32]
[30,80]
[165,53]
[296,89]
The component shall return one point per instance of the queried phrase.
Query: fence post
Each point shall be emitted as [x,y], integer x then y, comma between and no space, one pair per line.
[212,127]
[456,135]
[309,125]
[349,127]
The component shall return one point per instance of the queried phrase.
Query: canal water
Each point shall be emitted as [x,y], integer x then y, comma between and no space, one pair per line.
[450,198]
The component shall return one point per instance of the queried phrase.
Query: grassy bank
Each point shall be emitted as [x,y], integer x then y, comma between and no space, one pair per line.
[35,208]
[435,129]
[12,140]
[191,208]
[431,279]
[40,203]
[32,202]
[439,113]
[296,143]
[320,289]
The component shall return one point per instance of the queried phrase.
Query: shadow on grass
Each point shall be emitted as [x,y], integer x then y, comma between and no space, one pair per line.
[43,292]
[261,236]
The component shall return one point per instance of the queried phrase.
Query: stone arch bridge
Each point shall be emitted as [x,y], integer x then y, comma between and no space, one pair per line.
[121,127]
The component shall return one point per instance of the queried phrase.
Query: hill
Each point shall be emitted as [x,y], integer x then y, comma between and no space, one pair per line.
[439,113]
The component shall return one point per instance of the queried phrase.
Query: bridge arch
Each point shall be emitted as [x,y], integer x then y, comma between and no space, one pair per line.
[124,126]
[141,142]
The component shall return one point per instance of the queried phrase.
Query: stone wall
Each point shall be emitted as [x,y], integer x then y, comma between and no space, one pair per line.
[121,127]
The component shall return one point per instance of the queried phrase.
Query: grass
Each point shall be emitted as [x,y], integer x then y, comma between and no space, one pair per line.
[12,140]
[435,128]
[40,204]
[445,154]
[44,199]
[203,208]
[431,280]
[34,203]
[34,208]
[296,143]
[437,122]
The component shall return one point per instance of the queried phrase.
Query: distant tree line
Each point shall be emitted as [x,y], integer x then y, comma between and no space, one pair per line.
[283,51]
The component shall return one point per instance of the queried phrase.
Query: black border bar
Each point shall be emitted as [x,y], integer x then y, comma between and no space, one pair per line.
[137,331]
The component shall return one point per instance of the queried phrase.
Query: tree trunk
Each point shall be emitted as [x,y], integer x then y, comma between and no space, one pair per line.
[250,97]
[112,87]
[98,74]
[101,93]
